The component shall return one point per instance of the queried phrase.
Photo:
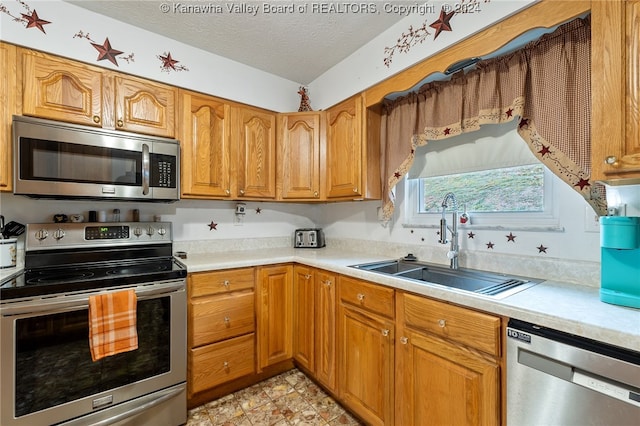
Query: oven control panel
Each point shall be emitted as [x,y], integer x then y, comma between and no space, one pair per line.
[43,236]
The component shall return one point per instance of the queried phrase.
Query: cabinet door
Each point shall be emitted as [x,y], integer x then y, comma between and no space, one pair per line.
[615,68]
[204,137]
[299,155]
[325,329]
[61,89]
[343,167]
[256,144]
[7,109]
[439,383]
[366,365]
[303,316]
[144,107]
[275,319]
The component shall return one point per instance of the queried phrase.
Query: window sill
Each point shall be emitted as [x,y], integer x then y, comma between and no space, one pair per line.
[524,228]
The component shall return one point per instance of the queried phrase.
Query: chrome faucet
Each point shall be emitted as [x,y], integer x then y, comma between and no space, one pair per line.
[453,252]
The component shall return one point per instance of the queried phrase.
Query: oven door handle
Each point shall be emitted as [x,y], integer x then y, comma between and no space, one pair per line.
[69,302]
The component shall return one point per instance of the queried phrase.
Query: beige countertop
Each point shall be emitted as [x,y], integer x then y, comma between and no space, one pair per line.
[570,308]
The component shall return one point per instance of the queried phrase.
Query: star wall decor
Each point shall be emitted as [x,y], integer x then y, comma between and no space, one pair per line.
[442,24]
[471,235]
[542,249]
[30,19]
[490,245]
[511,237]
[258,210]
[105,51]
[213,226]
[170,64]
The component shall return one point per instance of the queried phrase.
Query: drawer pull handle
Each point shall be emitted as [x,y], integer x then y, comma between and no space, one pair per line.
[306,277]
[360,297]
[404,340]
[385,332]
[442,323]
[226,365]
[227,321]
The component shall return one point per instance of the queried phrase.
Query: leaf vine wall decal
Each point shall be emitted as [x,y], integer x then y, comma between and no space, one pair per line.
[29,19]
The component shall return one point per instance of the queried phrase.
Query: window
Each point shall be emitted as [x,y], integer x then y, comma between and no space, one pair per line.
[494,176]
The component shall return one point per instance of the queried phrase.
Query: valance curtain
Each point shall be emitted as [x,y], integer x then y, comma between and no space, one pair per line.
[546,86]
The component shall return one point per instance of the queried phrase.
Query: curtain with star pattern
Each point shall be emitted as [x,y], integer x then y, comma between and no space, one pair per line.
[546,85]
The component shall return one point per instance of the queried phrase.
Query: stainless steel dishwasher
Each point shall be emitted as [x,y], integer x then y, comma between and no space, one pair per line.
[555,378]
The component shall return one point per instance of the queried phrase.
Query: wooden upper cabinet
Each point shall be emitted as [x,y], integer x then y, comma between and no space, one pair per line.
[299,155]
[144,107]
[344,149]
[65,90]
[615,80]
[204,136]
[255,140]
[60,89]
[8,107]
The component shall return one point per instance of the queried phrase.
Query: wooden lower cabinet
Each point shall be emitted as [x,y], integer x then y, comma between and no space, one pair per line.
[314,316]
[441,379]
[274,314]
[366,352]
[220,329]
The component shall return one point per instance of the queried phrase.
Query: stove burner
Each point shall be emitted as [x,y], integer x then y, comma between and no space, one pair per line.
[140,269]
[49,277]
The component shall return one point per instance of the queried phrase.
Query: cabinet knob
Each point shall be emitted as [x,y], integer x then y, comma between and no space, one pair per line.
[306,277]
[611,160]
[242,192]
[404,340]
[227,191]
[360,297]
[226,283]
[120,123]
[442,323]
[385,332]
[328,284]
[316,194]
[226,365]
[355,190]
[227,321]
[96,119]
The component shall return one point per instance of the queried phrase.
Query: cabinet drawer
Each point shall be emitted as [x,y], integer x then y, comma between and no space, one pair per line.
[221,317]
[218,363]
[372,297]
[216,282]
[470,328]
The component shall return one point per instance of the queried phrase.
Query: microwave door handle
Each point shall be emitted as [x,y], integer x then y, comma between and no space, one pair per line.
[145,169]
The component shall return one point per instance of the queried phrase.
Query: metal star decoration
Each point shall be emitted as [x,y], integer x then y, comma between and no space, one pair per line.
[34,21]
[168,61]
[511,237]
[213,226]
[107,52]
[258,210]
[442,24]
[471,235]
[542,249]
[490,245]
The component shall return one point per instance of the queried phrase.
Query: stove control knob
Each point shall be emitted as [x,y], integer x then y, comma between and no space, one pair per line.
[41,234]
[162,231]
[150,231]
[137,231]
[58,234]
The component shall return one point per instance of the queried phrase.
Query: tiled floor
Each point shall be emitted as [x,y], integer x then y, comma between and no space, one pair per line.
[288,399]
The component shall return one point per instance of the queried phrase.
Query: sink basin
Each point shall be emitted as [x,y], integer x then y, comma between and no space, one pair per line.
[469,280]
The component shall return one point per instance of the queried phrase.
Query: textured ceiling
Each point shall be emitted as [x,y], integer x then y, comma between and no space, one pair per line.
[296,46]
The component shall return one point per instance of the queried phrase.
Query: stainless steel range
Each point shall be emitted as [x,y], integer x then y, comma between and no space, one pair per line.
[46,371]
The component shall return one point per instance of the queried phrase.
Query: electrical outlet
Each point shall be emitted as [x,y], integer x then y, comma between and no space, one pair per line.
[591,220]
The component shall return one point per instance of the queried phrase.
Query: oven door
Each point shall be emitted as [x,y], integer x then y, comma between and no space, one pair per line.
[48,377]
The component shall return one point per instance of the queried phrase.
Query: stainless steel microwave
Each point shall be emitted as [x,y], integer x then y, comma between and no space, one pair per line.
[60,160]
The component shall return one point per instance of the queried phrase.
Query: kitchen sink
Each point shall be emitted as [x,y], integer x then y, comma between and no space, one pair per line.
[469,280]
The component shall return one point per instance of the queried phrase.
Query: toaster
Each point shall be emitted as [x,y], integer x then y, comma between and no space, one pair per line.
[308,238]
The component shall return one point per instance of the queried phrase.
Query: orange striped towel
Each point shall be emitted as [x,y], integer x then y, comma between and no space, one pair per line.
[112,323]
